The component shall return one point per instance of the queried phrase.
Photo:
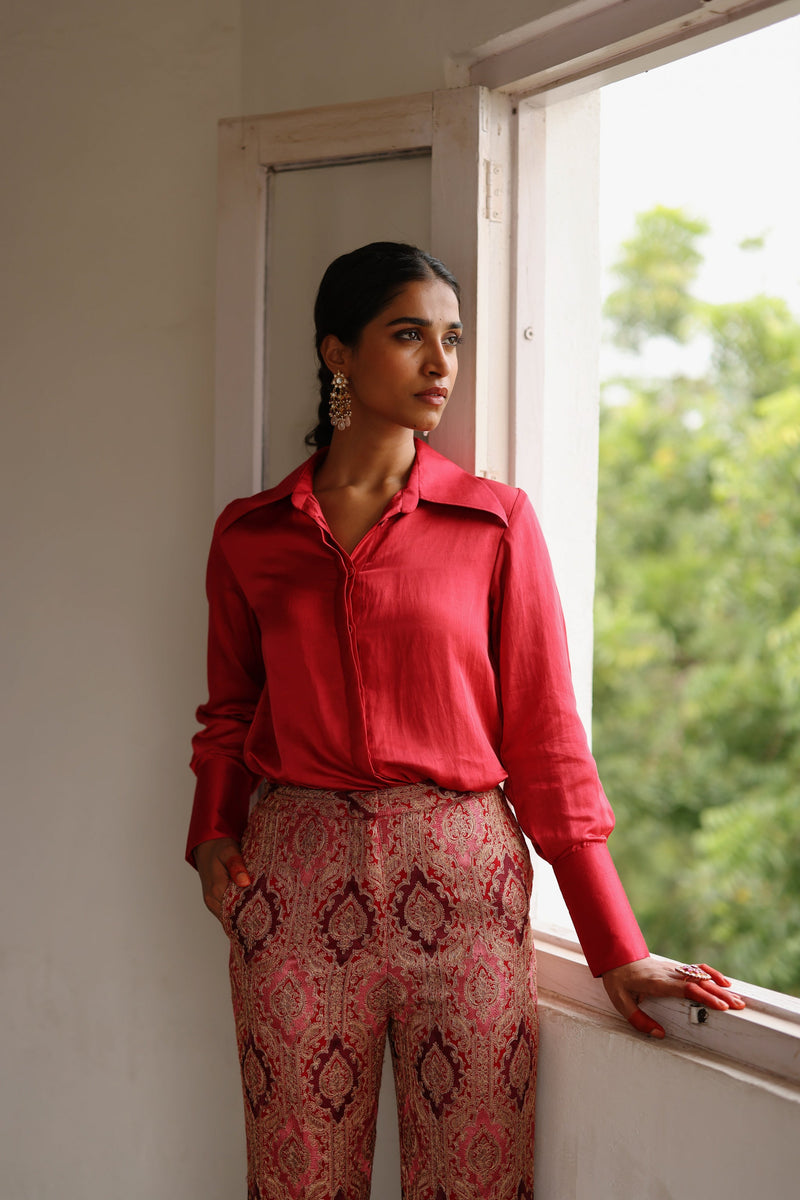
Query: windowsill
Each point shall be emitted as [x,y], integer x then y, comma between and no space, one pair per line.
[763,1038]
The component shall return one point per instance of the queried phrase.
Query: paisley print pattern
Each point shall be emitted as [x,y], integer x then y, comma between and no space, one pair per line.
[399,913]
[348,922]
[423,911]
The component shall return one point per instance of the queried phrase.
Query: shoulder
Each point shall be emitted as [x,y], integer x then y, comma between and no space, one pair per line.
[237,510]
[444,482]
[511,498]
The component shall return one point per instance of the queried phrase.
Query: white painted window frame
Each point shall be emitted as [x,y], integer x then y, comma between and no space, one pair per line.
[556,311]
[467,134]
[761,1041]
[547,68]
[477,140]
[593,42]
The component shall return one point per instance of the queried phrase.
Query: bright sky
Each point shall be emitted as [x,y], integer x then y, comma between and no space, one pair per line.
[717,134]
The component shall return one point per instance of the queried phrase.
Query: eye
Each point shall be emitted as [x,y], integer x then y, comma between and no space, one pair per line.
[453,339]
[409,335]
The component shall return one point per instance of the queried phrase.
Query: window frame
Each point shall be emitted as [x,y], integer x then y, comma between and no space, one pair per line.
[589,43]
[470,230]
[762,1039]
[489,168]
[548,68]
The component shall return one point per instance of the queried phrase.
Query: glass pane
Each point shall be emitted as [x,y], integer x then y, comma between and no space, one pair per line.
[697,617]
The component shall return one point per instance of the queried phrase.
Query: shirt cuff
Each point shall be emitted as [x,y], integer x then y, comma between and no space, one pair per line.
[221,802]
[604,922]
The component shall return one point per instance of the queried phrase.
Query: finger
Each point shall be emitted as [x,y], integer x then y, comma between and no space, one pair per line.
[213,904]
[221,881]
[237,870]
[712,996]
[717,976]
[627,1003]
[640,1020]
[704,995]
[733,999]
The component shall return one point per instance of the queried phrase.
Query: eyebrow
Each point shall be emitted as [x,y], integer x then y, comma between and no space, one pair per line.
[421,322]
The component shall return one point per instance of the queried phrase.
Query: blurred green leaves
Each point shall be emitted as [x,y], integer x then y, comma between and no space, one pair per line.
[656,270]
[697,615]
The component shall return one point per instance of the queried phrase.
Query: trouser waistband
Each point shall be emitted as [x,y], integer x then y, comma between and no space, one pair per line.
[406,797]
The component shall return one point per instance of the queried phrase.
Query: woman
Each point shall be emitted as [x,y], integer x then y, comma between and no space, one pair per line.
[386,646]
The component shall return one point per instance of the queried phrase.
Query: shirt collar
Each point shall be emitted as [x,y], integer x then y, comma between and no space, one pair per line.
[300,487]
[434,479]
[441,481]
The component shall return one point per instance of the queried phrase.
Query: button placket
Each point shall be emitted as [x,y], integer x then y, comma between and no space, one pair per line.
[363,552]
[349,587]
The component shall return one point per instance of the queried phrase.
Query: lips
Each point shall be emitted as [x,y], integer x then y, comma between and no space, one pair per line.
[436,395]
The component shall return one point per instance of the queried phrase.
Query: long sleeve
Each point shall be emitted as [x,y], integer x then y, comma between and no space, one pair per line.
[323,667]
[235,683]
[552,778]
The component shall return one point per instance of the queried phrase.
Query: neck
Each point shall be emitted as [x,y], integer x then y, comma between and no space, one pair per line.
[368,459]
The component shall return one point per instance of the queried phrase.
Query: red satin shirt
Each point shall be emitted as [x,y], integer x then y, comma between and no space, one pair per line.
[435,651]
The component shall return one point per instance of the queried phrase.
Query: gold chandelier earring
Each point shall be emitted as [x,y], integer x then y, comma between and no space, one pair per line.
[339,410]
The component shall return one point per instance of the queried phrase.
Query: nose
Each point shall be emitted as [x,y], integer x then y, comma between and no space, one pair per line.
[437,364]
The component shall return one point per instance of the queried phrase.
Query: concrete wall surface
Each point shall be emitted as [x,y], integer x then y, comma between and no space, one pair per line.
[298,53]
[118,1077]
[624,1118]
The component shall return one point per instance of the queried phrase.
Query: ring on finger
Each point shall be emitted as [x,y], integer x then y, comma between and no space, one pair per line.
[692,973]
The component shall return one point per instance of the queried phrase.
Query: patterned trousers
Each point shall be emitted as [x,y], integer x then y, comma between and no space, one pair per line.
[400,912]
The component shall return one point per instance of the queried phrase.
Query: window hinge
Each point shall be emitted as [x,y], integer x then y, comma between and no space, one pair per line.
[495,191]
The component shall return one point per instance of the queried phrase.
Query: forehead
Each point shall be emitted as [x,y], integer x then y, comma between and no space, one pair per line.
[432,299]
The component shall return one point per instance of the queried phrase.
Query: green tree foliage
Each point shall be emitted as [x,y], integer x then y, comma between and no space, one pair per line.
[656,269]
[697,617]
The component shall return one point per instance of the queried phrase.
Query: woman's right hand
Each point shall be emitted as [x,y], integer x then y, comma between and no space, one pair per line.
[218,862]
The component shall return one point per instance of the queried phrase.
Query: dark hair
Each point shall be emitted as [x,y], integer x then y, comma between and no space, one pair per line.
[354,289]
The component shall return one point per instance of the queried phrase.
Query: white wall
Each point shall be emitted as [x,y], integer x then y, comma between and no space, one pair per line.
[119,1074]
[299,53]
[623,1118]
[114,999]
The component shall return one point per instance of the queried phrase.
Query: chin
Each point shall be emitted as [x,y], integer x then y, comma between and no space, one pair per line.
[428,424]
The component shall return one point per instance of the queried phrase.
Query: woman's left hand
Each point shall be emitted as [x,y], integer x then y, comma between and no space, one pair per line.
[628,984]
